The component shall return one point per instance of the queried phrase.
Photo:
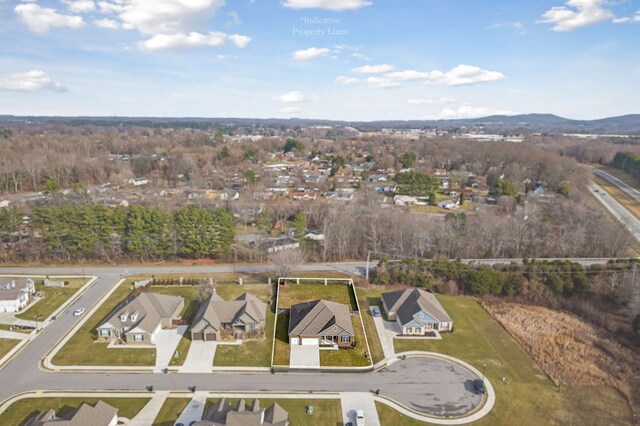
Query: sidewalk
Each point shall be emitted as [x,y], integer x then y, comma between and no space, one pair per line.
[4,334]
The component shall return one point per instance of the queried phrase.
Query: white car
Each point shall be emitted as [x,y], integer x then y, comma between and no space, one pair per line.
[359,418]
[78,312]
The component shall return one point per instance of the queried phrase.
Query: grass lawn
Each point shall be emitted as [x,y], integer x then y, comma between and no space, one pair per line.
[251,353]
[21,411]
[281,355]
[529,397]
[326,412]
[367,298]
[170,411]
[82,349]
[15,329]
[348,357]
[389,416]
[6,345]
[53,298]
[291,294]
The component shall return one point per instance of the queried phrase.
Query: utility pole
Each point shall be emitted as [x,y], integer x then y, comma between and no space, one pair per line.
[367,269]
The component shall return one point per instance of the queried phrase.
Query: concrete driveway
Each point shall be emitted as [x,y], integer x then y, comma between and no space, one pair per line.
[352,401]
[200,357]
[304,356]
[194,410]
[166,344]
[387,330]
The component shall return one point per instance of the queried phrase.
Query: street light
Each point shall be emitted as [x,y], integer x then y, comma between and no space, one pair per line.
[484,366]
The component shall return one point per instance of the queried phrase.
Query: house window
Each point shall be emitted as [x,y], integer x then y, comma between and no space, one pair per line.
[252,327]
[104,333]
[134,317]
[345,339]
[123,317]
[138,338]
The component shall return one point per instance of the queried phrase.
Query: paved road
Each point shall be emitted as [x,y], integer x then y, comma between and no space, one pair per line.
[629,190]
[617,210]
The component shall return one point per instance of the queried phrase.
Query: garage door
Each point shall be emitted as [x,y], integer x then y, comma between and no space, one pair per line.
[198,336]
[295,341]
[210,337]
[310,341]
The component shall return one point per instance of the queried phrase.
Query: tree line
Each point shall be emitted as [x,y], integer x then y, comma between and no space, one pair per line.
[69,232]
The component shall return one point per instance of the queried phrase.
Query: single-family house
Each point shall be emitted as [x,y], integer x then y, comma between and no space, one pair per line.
[416,311]
[16,294]
[273,245]
[139,318]
[323,323]
[224,413]
[100,414]
[449,204]
[404,200]
[217,319]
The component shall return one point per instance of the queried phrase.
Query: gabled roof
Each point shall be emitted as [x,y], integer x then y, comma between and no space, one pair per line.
[319,316]
[150,308]
[99,415]
[223,413]
[216,311]
[407,303]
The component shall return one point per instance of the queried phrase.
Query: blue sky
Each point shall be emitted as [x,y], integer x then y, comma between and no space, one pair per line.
[333,59]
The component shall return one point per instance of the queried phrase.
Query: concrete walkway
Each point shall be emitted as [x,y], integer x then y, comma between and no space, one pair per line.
[195,409]
[149,412]
[200,357]
[352,401]
[386,335]
[166,343]
[304,356]
[5,334]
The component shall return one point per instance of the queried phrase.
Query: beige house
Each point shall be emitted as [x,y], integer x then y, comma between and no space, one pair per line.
[416,311]
[223,413]
[101,414]
[139,318]
[15,294]
[322,323]
[219,319]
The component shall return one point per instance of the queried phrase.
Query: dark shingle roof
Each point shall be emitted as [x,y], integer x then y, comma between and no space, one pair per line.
[407,303]
[317,316]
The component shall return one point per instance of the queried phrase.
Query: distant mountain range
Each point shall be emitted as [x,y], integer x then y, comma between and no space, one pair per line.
[525,123]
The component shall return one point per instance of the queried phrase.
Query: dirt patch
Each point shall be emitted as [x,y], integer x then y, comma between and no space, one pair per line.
[570,351]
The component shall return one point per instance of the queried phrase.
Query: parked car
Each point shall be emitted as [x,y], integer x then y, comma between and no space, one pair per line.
[479,385]
[78,312]
[359,418]
[375,311]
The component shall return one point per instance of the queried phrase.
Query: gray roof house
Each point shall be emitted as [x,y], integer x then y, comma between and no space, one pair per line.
[416,311]
[217,319]
[223,413]
[139,318]
[320,322]
[101,414]
[15,294]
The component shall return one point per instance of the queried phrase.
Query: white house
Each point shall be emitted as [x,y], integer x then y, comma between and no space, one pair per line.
[16,294]
[449,204]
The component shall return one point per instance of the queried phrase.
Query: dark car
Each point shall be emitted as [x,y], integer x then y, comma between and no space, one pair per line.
[479,385]
[375,311]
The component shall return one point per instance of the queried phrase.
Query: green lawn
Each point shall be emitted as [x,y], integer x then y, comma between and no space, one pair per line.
[53,298]
[251,353]
[529,397]
[170,411]
[348,357]
[326,412]
[6,345]
[291,294]
[82,348]
[281,350]
[367,298]
[15,329]
[21,411]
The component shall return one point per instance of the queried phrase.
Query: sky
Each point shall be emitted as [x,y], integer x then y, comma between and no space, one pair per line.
[325,59]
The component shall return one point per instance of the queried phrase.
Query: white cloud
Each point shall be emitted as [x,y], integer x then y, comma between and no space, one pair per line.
[107,23]
[30,81]
[80,6]
[189,40]
[443,100]
[310,53]
[464,75]
[382,83]
[292,97]
[291,110]
[408,75]
[41,19]
[468,111]
[373,69]
[360,56]
[336,5]
[342,79]
[518,27]
[171,24]
[576,14]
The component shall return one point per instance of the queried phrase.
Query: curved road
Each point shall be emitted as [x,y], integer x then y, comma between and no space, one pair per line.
[429,385]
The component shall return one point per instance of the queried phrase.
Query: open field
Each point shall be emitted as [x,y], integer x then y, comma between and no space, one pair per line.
[170,411]
[326,412]
[21,411]
[527,396]
[6,345]
[53,298]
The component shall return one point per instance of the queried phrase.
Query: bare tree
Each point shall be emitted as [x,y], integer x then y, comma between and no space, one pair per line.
[286,261]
